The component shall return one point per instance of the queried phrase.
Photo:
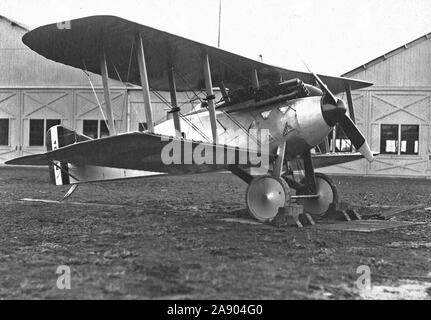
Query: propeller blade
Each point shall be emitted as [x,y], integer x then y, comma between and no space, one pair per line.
[333,110]
[325,88]
[356,137]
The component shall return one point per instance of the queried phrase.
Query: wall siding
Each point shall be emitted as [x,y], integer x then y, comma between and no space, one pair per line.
[72,106]
[20,66]
[10,108]
[409,68]
[391,106]
[401,95]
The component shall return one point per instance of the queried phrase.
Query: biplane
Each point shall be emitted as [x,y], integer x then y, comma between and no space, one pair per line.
[296,109]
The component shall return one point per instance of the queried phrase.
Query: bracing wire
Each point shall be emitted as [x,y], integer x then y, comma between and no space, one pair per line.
[197,97]
[192,125]
[225,113]
[130,61]
[95,94]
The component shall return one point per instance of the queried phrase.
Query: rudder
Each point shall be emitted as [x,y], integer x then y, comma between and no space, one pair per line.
[56,138]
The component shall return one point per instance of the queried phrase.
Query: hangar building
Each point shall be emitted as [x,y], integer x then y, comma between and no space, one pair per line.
[36,93]
[395,113]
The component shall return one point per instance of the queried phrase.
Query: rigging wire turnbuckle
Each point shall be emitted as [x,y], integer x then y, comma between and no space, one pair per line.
[174,109]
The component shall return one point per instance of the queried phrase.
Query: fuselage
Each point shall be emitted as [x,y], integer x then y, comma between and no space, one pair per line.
[299,122]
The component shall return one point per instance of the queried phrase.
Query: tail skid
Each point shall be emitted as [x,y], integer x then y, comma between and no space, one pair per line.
[70,192]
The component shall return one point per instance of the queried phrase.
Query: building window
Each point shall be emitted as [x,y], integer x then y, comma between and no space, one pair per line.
[4,132]
[389,139]
[104,131]
[342,143]
[95,128]
[409,139]
[91,128]
[142,126]
[38,129]
[51,123]
[36,132]
[399,139]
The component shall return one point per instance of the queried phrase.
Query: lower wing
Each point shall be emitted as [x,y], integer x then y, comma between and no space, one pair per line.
[148,152]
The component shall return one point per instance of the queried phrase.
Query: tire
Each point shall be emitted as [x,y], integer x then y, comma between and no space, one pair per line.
[328,194]
[265,195]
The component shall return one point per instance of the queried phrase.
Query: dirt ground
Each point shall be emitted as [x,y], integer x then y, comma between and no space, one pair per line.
[164,238]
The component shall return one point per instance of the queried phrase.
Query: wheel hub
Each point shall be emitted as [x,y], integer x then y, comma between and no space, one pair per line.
[326,192]
[265,195]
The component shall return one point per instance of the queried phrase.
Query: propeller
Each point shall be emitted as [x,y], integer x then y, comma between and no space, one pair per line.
[334,111]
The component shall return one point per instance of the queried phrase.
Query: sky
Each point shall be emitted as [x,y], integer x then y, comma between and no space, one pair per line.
[331,36]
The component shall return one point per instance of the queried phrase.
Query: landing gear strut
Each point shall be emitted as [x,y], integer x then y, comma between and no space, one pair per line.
[266,194]
[326,192]
[315,191]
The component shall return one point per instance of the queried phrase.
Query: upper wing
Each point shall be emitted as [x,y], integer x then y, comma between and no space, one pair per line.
[80,45]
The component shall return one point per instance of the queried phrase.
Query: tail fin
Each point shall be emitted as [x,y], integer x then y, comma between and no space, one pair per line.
[58,137]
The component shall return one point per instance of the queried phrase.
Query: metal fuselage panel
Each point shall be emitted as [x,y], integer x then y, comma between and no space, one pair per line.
[298,122]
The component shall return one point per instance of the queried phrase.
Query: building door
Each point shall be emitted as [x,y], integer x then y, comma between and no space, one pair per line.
[88,112]
[400,130]
[42,109]
[10,119]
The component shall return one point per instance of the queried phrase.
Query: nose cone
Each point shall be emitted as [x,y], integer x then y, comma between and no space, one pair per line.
[332,112]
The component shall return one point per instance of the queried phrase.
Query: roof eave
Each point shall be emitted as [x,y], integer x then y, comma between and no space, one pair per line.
[387,55]
[15,23]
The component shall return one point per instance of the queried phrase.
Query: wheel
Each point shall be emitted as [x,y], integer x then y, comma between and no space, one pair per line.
[327,192]
[265,195]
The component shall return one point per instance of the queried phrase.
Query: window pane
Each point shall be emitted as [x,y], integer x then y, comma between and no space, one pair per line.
[36,132]
[52,122]
[339,134]
[409,139]
[330,142]
[104,132]
[90,128]
[142,126]
[321,148]
[4,132]
[342,143]
[389,139]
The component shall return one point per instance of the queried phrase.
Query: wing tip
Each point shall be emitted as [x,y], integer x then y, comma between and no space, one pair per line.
[31,160]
